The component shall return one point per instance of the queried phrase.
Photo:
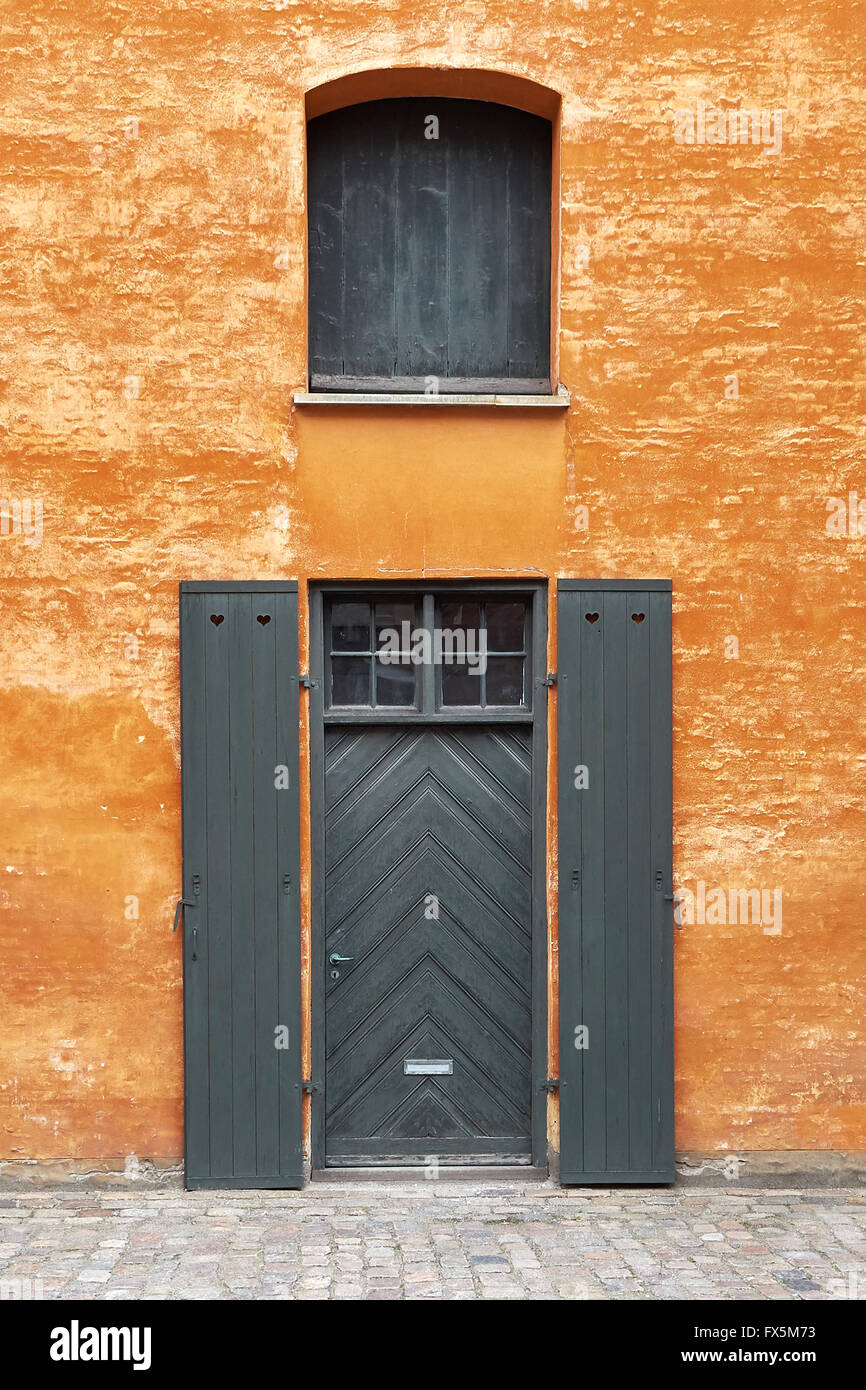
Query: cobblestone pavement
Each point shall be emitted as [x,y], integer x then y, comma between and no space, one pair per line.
[451,1240]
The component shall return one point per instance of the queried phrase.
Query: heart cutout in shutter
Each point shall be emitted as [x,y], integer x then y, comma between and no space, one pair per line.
[217,618]
[592,617]
[638,617]
[264,619]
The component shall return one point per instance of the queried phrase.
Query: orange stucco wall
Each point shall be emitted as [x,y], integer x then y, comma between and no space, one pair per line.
[173,252]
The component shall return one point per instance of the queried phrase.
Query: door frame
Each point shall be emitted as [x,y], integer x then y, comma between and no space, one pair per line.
[536,590]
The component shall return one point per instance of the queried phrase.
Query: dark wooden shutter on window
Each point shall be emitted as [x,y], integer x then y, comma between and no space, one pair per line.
[241,937]
[615,866]
[429,257]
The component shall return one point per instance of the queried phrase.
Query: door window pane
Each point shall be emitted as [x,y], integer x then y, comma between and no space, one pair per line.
[505,626]
[350,676]
[390,618]
[395,685]
[460,686]
[350,627]
[505,680]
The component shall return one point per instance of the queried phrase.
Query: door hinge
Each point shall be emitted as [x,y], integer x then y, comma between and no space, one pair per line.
[306,682]
[309,1087]
[550,679]
[551,1085]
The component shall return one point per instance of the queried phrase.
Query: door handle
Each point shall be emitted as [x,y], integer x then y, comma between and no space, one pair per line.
[337,959]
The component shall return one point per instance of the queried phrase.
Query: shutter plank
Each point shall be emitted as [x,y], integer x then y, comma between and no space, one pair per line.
[219,885]
[640,874]
[265,812]
[661,820]
[195,973]
[615,984]
[369,337]
[243,924]
[591,711]
[289,868]
[421,267]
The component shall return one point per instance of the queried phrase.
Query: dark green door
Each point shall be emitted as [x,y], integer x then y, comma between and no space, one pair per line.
[241,927]
[428,879]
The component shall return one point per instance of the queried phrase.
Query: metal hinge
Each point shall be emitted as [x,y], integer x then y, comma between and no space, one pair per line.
[551,1085]
[306,682]
[669,897]
[551,678]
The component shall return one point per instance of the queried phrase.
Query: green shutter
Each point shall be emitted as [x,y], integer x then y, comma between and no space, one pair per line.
[615,892]
[241,867]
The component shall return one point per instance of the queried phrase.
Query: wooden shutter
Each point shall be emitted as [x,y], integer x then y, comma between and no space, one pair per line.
[429,256]
[241,939]
[615,866]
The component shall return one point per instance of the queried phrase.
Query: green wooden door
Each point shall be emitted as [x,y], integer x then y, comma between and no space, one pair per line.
[428,928]
[615,893]
[241,936]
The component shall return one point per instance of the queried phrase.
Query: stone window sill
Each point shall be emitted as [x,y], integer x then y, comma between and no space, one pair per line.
[558,401]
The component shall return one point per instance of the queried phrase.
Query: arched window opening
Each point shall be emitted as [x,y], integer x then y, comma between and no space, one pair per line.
[429,247]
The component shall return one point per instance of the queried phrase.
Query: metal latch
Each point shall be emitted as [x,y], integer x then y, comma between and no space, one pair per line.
[179,919]
[178,911]
[309,1087]
[306,682]
[551,679]
[551,1085]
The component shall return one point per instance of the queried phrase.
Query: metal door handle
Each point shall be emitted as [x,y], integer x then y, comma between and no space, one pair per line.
[336,959]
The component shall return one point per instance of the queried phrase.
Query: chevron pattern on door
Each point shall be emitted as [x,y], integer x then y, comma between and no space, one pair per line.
[428,889]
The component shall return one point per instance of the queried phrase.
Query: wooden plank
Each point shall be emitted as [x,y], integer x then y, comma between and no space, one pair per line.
[421,266]
[265,882]
[661,820]
[240,732]
[640,884]
[326,245]
[218,803]
[478,262]
[528,247]
[570,820]
[195,937]
[447,385]
[615,753]
[289,895]
[592,696]
[369,332]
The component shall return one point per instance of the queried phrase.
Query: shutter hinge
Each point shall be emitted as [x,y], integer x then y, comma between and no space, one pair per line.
[309,1087]
[306,682]
[551,678]
[669,897]
[551,1085]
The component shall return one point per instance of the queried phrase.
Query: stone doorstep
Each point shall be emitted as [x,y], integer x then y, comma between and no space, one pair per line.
[788,1171]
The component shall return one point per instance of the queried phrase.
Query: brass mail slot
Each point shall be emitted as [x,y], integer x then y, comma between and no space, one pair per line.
[428,1066]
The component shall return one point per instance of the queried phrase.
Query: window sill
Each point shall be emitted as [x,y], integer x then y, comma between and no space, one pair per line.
[560,401]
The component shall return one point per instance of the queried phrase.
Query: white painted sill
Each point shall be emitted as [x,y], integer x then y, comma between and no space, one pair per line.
[560,401]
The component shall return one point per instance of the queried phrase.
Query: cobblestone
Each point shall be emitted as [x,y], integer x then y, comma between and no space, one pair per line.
[442,1240]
